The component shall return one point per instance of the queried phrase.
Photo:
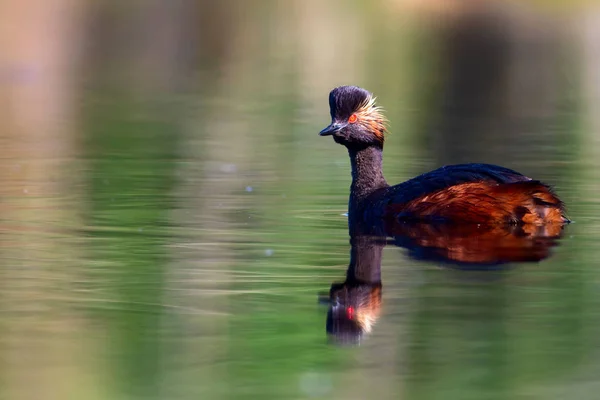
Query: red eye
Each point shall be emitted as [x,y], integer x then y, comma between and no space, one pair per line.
[350,312]
[353,118]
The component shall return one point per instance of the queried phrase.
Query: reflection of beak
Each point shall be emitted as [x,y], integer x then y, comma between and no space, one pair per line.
[334,127]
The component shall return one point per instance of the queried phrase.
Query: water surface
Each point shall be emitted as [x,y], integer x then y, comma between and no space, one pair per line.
[169,216]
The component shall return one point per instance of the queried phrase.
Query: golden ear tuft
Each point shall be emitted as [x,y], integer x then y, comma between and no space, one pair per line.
[368,313]
[372,116]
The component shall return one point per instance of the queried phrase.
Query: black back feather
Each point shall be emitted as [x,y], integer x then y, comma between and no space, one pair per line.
[450,175]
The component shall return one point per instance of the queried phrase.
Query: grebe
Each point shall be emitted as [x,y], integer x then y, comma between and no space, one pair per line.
[465,193]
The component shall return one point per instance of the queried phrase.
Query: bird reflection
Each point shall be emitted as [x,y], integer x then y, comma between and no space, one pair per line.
[355,304]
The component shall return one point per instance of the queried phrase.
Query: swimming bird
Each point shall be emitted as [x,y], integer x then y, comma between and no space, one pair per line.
[463,193]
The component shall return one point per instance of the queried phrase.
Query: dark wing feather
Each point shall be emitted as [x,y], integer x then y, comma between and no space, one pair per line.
[450,175]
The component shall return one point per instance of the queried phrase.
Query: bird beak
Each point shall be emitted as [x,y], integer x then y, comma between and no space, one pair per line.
[331,129]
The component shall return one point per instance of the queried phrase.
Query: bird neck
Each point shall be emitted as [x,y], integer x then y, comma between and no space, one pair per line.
[367,174]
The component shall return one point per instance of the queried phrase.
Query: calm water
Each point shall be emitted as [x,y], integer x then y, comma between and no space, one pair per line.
[170,218]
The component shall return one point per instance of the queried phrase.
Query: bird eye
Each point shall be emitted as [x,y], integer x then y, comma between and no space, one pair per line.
[353,118]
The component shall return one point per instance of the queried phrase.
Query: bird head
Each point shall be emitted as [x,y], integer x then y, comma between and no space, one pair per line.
[356,121]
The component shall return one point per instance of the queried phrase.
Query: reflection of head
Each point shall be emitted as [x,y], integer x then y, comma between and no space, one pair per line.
[354,309]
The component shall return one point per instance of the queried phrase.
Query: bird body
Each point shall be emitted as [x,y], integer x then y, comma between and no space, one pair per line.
[464,193]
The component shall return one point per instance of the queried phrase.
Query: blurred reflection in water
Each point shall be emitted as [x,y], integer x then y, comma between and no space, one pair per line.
[355,304]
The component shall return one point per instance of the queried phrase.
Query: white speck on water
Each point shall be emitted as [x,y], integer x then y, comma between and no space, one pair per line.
[315,384]
[249,189]
[269,252]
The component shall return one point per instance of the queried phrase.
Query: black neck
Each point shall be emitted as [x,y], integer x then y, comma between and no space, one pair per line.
[367,174]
